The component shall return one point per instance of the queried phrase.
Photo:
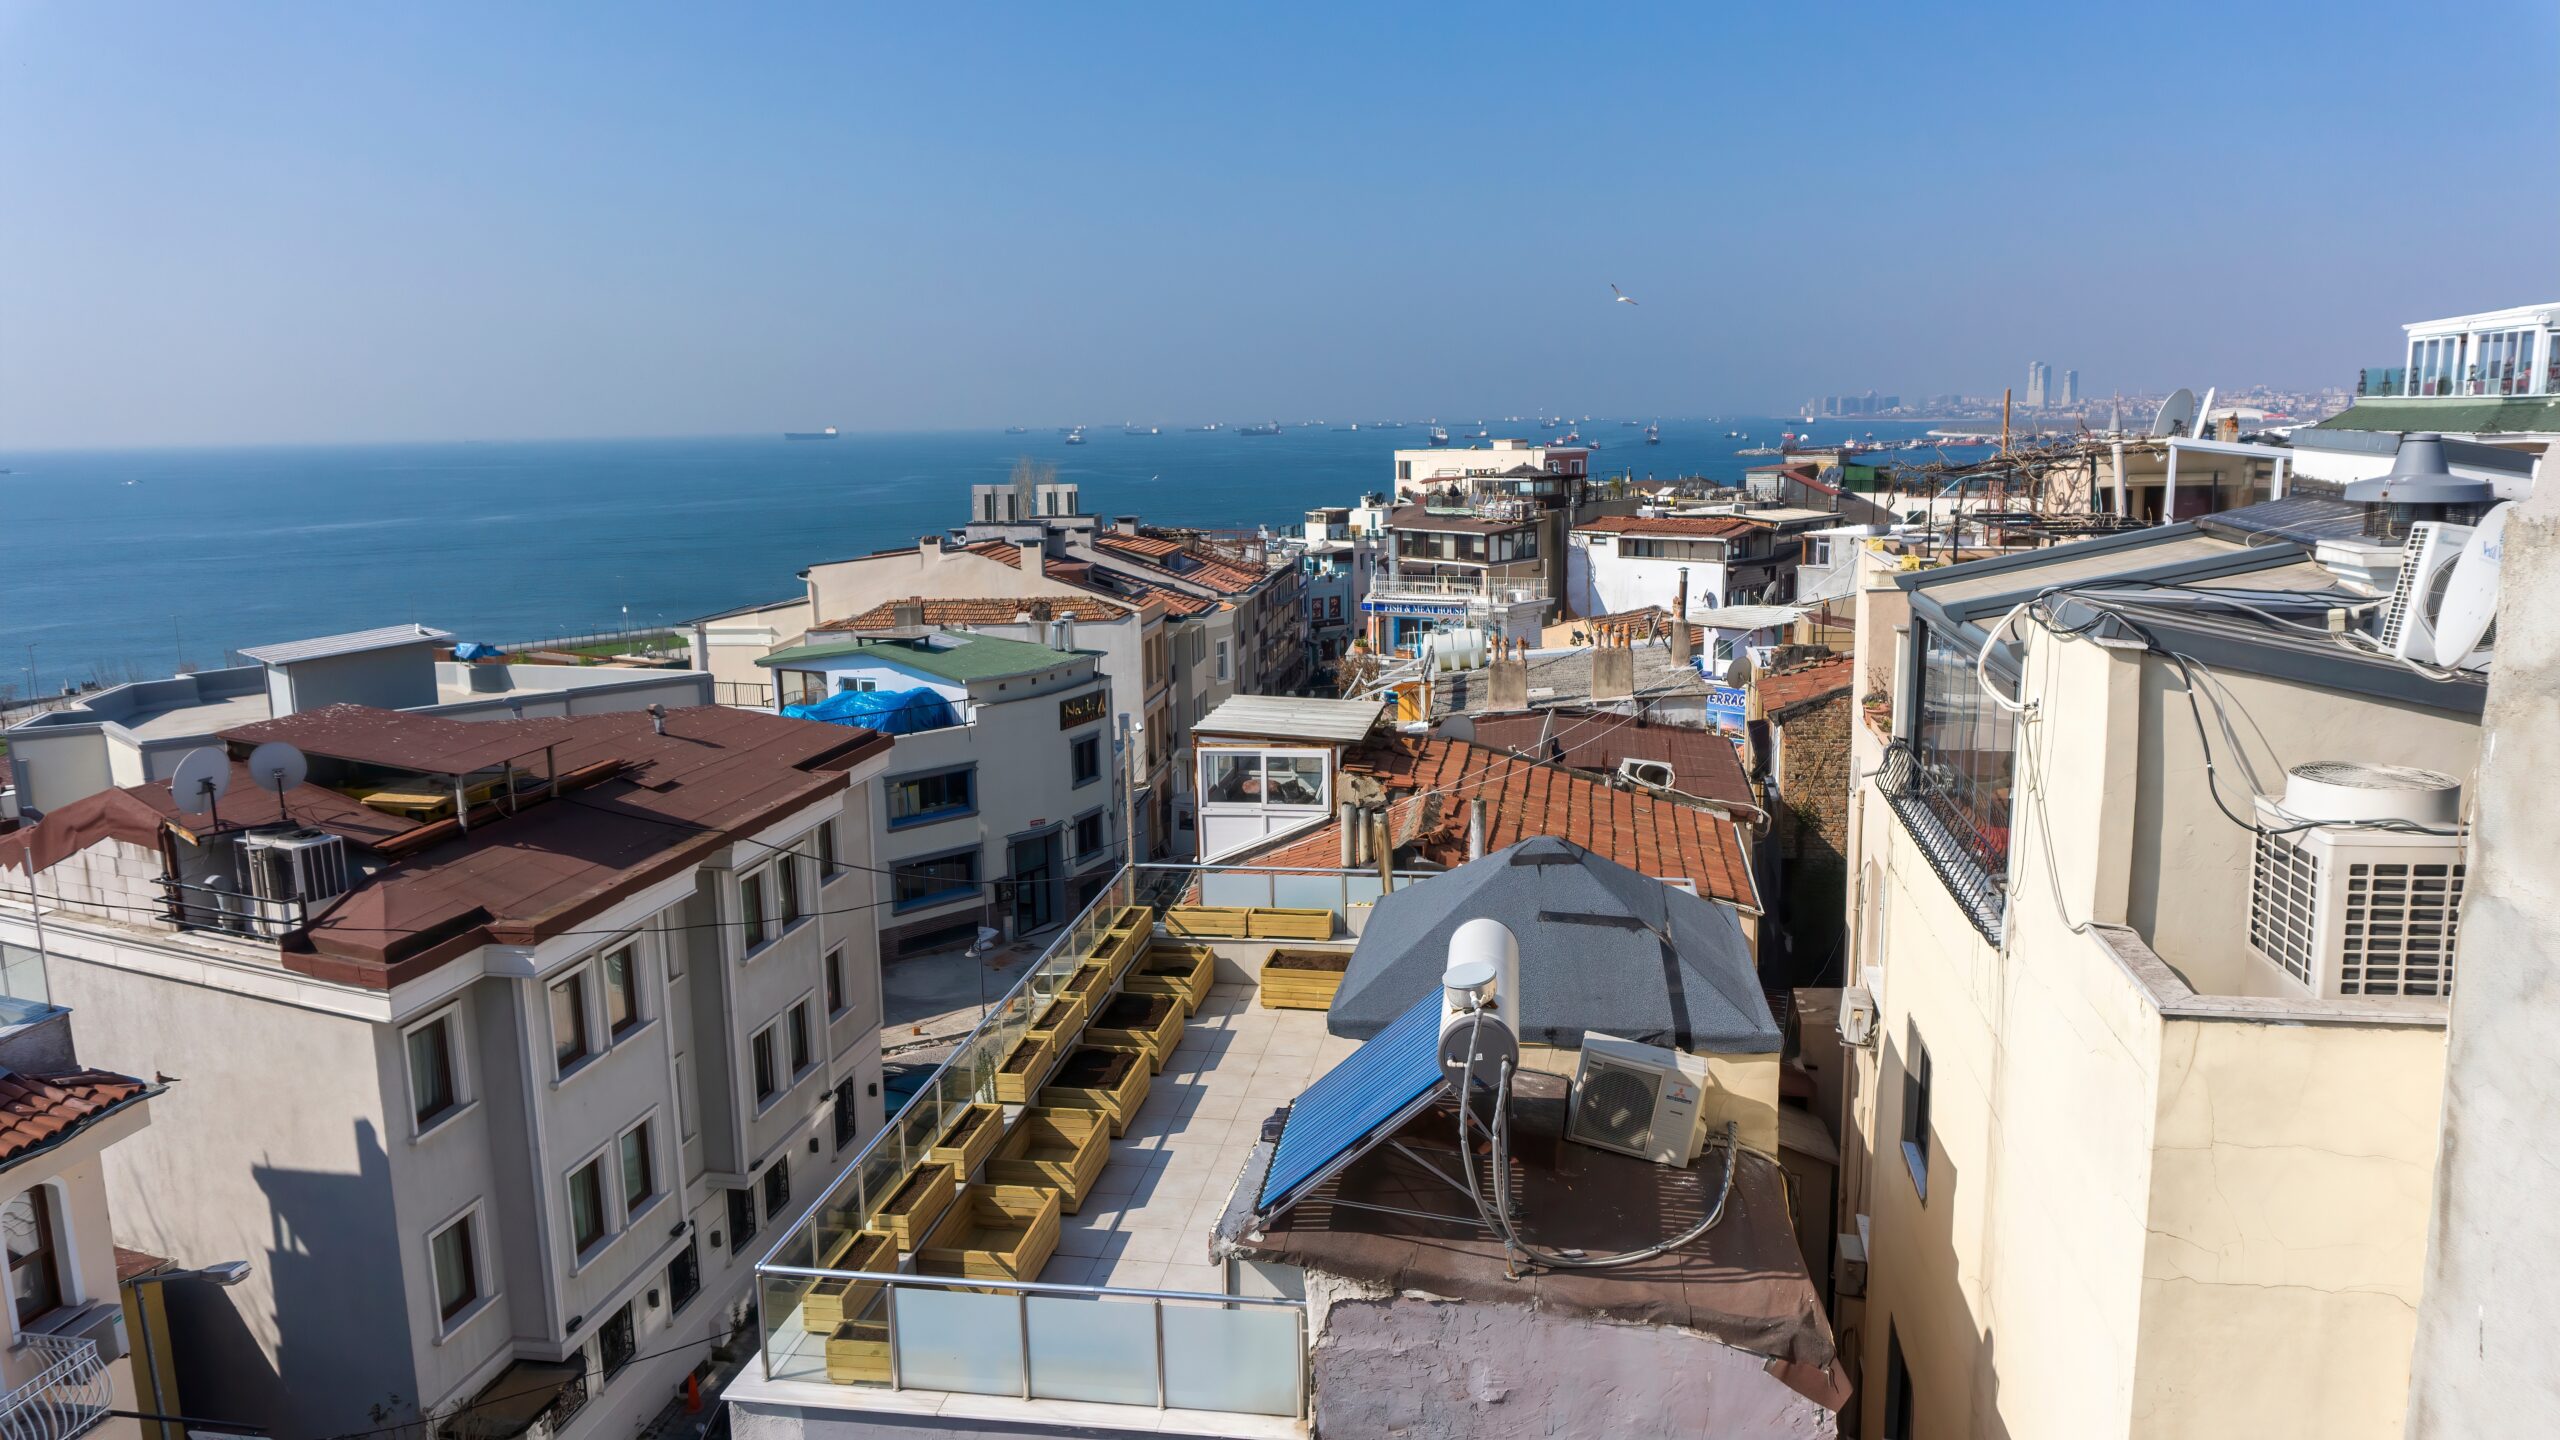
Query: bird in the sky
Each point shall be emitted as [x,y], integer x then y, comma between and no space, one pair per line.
[1623,297]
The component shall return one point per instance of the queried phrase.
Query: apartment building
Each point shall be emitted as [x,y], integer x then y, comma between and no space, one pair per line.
[68,1361]
[131,734]
[1479,539]
[2154,874]
[496,1046]
[1004,800]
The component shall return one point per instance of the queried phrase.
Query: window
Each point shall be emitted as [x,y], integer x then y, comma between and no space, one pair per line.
[1222,659]
[828,865]
[639,1170]
[1897,1388]
[786,877]
[799,1023]
[569,1043]
[751,909]
[923,799]
[684,1277]
[616,1343]
[434,1089]
[35,1272]
[1248,778]
[1086,755]
[742,1219]
[934,880]
[1915,1111]
[848,1113]
[836,999]
[586,1206]
[1089,837]
[456,1253]
[1949,781]
[621,991]
[777,1187]
[768,1074]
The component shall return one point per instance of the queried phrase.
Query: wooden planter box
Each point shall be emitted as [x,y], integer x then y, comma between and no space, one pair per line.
[1086,988]
[996,1232]
[1124,939]
[1064,1015]
[917,1204]
[1267,924]
[1302,979]
[1061,1150]
[971,1141]
[832,1302]
[1112,1082]
[1023,1066]
[1185,972]
[858,1353]
[1150,1023]
[1208,922]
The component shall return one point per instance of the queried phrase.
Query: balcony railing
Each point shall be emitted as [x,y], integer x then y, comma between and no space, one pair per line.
[2395,383]
[1456,587]
[69,1396]
[1970,856]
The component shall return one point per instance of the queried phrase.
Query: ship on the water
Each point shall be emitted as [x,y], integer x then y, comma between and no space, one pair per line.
[1653,434]
[1271,429]
[827,434]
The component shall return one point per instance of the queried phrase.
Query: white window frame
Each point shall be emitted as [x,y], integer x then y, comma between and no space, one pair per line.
[590,1018]
[781,1077]
[832,973]
[484,1276]
[826,847]
[764,911]
[643,1013]
[608,1184]
[685,1129]
[645,1125]
[66,1259]
[465,1098]
[812,1027]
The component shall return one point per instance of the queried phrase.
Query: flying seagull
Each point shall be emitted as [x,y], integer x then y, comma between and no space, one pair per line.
[1623,297]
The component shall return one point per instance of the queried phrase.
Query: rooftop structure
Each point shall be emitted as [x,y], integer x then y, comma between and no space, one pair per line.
[1698,763]
[1280,717]
[2494,375]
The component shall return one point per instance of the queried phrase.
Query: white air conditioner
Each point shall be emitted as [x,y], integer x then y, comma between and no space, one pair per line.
[1849,1263]
[288,865]
[2417,594]
[2344,912]
[1651,774]
[1640,1100]
[1857,1017]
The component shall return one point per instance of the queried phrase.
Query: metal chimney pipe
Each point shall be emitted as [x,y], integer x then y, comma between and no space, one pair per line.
[1347,813]
[658,718]
[1475,828]
[1385,845]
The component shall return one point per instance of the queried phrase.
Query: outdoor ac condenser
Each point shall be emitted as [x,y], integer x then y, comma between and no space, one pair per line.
[302,864]
[1640,1100]
[2346,909]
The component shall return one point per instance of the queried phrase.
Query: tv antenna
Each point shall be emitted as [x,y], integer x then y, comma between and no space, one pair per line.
[2470,606]
[279,767]
[200,781]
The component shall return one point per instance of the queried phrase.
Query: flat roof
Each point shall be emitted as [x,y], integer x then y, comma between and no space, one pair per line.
[973,657]
[401,739]
[1293,717]
[354,642]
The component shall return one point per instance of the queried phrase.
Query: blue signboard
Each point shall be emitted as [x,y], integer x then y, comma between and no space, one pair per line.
[1725,707]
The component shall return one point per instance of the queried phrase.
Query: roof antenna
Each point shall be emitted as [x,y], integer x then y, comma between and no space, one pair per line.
[658,718]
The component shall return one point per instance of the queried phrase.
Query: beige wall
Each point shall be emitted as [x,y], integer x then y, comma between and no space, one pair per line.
[730,646]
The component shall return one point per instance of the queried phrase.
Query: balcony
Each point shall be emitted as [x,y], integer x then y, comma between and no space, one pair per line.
[69,1396]
[1448,589]
[1969,851]
[2396,383]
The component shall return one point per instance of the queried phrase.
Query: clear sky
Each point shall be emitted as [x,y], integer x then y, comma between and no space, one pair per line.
[236,223]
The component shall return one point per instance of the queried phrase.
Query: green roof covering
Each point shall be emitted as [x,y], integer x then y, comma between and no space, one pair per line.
[2483,416]
[975,657]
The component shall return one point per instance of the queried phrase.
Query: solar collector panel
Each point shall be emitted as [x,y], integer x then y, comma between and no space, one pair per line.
[1342,1114]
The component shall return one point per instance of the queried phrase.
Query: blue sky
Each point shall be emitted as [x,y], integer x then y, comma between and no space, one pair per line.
[247,223]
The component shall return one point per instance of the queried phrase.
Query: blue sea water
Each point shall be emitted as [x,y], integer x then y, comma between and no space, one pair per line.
[119,565]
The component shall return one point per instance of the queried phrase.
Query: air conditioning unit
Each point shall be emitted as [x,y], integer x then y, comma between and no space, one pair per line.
[2342,911]
[1857,1017]
[2427,563]
[302,864]
[1849,1263]
[1640,1100]
[1650,774]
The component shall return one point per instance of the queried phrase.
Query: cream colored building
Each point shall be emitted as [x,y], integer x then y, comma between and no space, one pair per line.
[2110,1170]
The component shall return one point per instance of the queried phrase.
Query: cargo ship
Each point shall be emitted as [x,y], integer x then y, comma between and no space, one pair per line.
[827,434]
[1271,429]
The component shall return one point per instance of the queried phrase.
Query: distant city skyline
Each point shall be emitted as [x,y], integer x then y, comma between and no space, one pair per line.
[347,224]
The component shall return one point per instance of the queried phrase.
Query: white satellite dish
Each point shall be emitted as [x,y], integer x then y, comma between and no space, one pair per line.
[2176,414]
[2204,413]
[201,780]
[277,766]
[2470,604]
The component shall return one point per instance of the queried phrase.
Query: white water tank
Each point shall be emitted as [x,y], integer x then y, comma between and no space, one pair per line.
[1483,972]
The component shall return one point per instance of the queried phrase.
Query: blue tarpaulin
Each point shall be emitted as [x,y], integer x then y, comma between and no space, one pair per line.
[474,650]
[891,712]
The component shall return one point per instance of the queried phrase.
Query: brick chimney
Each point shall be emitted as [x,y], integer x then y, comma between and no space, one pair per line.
[908,614]
[1029,552]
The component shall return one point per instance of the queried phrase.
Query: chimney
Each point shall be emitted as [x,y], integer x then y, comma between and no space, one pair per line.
[1613,673]
[658,718]
[1680,622]
[929,548]
[1384,844]
[1347,814]
[1126,525]
[908,614]
[1067,631]
[1030,554]
[1357,821]
[1475,828]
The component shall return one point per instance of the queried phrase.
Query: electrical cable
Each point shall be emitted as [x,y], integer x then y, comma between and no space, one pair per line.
[488,1401]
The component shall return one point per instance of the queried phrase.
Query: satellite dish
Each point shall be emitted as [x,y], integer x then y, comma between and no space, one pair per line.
[2176,414]
[201,780]
[278,766]
[2470,605]
[2204,413]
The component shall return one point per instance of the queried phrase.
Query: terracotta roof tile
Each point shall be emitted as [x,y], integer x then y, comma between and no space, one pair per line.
[1695,527]
[1787,689]
[37,1110]
[1703,763]
[991,610]
[1430,782]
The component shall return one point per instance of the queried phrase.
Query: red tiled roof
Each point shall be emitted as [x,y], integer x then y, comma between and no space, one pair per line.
[37,1110]
[1714,527]
[1003,550]
[992,610]
[1787,689]
[1703,763]
[1147,545]
[1156,554]
[1429,783]
[1079,573]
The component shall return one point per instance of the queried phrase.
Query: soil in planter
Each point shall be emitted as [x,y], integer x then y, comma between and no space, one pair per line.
[1052,1013]
[1024,1052]
[1332,960]
[909,1192]
[1094,1070]
[1134,1012]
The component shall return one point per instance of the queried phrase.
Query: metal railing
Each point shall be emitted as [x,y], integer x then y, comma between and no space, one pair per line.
[742,695]
[69,1396]
[1471,587]
[231,911]
[1970,856]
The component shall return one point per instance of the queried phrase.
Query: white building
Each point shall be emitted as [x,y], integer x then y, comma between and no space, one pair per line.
[1003,804]
[493,1104]
[1632,562]
[1420,470]
[131,734]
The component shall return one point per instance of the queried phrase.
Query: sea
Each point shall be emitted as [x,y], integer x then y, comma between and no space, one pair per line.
[126,565]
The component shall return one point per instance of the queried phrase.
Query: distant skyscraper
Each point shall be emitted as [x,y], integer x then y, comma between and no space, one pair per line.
[2070,387]
[2039,381]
